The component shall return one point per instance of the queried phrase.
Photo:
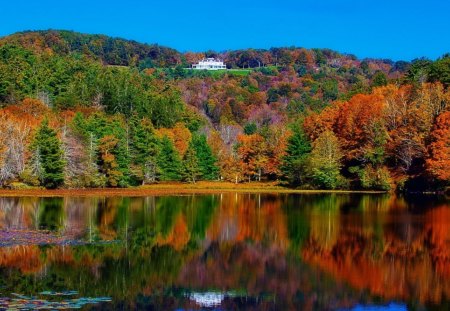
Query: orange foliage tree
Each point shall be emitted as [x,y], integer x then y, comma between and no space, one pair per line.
[179,135]
[438,162]
[252,154]
[109,164]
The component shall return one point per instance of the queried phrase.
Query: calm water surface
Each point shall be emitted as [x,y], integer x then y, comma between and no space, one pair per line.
[226,252]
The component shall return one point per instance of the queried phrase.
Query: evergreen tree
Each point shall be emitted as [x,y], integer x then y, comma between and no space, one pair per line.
[379,79]
[168,161]
[91,175]
[250,128]
[78,125]
[295,161]
[48,157]
[101,126]
[122,150]
[190,170]
[144,149]
[207,162]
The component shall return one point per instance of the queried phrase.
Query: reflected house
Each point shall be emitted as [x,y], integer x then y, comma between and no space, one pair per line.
[210,64]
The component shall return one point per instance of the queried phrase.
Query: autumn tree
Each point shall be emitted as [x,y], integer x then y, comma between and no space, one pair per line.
[276,141]
[372,172]
[227,158]
[75,156]
[438,161]
[14,136]
[108,162]
[252,154]
[179,135]
[325,161]
[190,165]
[406,124]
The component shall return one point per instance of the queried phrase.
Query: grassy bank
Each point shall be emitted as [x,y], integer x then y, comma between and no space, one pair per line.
[171,189]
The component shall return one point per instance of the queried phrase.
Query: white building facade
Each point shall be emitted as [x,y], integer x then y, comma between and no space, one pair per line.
[209,64]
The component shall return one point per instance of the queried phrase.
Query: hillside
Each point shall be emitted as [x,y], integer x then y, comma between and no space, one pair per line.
[314,76]
[126,113]
[111,51]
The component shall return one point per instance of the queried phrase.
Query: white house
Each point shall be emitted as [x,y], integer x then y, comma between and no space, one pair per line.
[209,64]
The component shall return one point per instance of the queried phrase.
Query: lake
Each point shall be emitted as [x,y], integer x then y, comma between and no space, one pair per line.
[226,252]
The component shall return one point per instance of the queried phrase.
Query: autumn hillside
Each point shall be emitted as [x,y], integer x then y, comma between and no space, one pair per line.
[82,110]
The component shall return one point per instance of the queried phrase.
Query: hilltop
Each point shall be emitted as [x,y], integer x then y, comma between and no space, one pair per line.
[109,50]
[123,52]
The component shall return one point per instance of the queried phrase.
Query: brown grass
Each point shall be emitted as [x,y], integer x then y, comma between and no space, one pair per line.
[172,188]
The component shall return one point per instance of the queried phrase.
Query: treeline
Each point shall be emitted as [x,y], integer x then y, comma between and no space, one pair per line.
[92,149]
[122,52]
[108,50]
[315,119]
[397,136]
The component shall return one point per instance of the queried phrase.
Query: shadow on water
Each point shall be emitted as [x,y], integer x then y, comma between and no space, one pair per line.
[228,251]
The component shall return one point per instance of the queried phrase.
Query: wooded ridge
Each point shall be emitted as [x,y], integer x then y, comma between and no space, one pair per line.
[81,110]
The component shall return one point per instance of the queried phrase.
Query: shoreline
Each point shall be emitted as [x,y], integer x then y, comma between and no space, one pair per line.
[164,189]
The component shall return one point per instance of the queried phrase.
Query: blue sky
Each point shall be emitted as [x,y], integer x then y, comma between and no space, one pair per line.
[396,29]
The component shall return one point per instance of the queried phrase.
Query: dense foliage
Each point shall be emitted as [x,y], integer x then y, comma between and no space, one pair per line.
[125,114]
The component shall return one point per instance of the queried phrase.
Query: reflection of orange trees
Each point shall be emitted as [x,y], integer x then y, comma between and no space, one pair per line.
[406,262]
[25,258]
[31,259]
[375,244]
[437,229]
[60,255]
[251,217]
[224,223]
[178,237]
[325,228]
[107,214]
[261,220]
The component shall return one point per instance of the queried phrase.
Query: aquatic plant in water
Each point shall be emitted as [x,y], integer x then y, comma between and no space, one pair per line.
[22,302]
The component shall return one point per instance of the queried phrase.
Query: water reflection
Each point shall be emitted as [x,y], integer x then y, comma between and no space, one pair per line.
[231,251]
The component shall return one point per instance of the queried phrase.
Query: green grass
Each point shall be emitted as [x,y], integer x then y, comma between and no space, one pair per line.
[234,72]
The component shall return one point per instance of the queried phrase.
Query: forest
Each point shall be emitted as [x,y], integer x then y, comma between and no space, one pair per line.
[87,111]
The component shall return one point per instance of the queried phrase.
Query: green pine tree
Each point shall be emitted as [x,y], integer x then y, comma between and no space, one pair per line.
[101,126]
[168,161]
[91,176]
[191,169]
[294,166]
[207,162]
[144,149]
[122,151]
[47,157]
